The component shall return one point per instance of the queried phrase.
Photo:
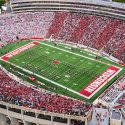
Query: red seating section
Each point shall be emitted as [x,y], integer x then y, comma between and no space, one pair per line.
[13,92]
[93,31]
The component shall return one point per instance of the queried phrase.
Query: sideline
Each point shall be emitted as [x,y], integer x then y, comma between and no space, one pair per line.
[76,54]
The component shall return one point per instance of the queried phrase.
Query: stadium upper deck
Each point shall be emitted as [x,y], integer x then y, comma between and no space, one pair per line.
[98,7]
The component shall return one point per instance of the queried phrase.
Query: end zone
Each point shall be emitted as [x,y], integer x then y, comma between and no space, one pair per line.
[19,50]
[100,81]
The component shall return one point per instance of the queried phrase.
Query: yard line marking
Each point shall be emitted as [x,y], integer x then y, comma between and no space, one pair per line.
[47,52]
[75,54]
[67,76]
[66,80]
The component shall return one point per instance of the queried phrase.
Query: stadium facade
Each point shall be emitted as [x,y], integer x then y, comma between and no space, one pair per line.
[19,114]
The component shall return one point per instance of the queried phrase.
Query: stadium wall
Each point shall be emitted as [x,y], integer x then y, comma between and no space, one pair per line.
[14,112]
[111,9]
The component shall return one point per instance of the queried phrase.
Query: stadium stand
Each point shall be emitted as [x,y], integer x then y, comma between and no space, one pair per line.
[115,93]
[15,93]
[90,6]
[121,100]
[24,25]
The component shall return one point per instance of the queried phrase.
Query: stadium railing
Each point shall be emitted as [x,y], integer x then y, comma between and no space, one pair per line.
[33,115]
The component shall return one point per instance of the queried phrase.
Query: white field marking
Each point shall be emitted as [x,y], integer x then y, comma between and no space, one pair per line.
[89,63]
[75,84]
[76,54]
[67,76]
[66,80]
[91,55]
[67,47]
[30,72]
[47,52]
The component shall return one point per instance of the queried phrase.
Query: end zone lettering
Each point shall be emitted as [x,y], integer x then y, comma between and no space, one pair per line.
[100,81]
[19,50]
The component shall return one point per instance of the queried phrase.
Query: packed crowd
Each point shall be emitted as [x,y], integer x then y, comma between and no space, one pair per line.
[24,25]
[121,99]
[115,90]
[15,93]
[97,32]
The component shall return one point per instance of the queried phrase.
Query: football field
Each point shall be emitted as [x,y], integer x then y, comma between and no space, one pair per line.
[63,68]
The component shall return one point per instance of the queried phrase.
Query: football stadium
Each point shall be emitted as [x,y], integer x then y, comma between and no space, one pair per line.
[62,62]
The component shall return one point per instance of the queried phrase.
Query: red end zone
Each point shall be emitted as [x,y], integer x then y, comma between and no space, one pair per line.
[19,50]
[99,82]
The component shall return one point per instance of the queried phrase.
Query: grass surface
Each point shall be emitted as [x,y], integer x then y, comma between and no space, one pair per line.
[73,70]
[123,1]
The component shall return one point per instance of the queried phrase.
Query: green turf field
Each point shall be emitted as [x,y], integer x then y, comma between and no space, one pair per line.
[60,68]
[122,1]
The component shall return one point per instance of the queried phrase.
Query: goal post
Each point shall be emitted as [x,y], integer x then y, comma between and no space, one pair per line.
[51,37]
